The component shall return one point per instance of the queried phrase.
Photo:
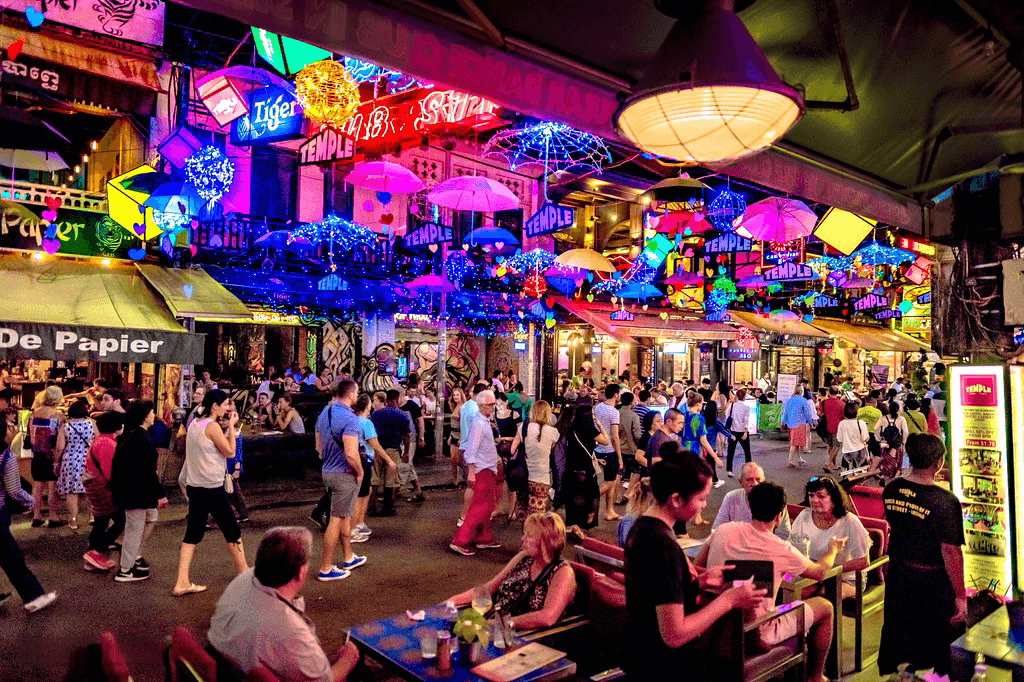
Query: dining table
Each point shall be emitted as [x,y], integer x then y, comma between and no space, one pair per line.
[394,642]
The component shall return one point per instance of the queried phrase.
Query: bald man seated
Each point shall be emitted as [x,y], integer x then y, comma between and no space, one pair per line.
[735,506]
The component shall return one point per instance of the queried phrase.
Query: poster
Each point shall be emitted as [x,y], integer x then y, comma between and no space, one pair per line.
[139,20]
[1017,426]
[879,377]
[981,474]
[786,385]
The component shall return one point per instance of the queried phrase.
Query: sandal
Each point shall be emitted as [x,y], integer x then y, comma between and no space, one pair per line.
[192,589]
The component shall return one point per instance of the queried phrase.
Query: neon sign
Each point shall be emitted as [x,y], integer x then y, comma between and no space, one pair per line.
[550,218]
[274,114]
[327,146]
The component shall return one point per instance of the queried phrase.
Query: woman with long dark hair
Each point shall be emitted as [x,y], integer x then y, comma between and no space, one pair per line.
[579,486]
[206,452]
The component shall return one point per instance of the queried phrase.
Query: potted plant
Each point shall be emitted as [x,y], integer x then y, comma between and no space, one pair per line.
[473,633]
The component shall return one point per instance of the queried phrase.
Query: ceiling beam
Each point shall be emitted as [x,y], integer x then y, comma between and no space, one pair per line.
[481,20]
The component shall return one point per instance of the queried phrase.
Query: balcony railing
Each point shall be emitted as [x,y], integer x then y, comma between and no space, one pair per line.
[32,193]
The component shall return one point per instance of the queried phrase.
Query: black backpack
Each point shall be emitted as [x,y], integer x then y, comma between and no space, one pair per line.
[892,434]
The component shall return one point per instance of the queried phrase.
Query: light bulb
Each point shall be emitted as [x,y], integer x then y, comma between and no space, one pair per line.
[93,145]
[85,158]
[78,169]
[38,255]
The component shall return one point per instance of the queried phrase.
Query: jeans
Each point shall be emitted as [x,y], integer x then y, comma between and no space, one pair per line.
[105,529]
[743,442]
[13,562]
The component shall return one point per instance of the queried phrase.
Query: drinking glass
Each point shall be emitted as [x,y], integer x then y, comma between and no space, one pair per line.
[482,599]
[428,646]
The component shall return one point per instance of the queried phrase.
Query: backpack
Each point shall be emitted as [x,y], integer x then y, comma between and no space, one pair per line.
[43,437]
[892,434]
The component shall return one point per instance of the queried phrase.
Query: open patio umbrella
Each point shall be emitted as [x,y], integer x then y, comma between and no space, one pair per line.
[431,283]
[384,176]
[879,254]
[32,159]
[473,193]
[175,197]
[283,239]
[490,235]
[22,130]
[585,259]
[779,220]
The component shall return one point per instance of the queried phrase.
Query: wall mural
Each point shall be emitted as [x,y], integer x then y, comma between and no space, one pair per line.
[340,344]
[501,355]
[379,369]
[463,361]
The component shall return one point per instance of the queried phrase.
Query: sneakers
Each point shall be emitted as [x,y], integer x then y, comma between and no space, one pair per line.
[729,474]
[320,522]
[55,524]
[461,550]
[242,519]
[334,574]
[363,529]
[37,523]
[114,547]
[719,483]
[40,603]
[418,497]
[134,575]
[98,561]
[359,537]
[493,544]
[458,524]
[354,562]
[142,563]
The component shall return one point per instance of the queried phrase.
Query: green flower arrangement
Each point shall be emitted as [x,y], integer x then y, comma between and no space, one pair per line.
[471,627]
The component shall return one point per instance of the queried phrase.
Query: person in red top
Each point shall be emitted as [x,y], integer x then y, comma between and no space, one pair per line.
[832,410]
[108,520]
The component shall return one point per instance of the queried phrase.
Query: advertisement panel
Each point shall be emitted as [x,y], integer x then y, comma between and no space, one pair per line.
[981,474]
[1017,426]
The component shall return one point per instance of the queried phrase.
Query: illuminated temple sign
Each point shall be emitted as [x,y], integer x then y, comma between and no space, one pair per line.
[622,316]
[327,146]
[889,314]
[870,301]
[430,233]
[825,301]
[550,218]
[785,272]
[729,242]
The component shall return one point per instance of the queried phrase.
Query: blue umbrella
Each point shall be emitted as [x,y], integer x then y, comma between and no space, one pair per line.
[175,197]
[638,290]
[490,235]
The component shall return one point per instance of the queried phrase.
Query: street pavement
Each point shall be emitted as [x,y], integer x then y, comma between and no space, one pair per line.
[409,566]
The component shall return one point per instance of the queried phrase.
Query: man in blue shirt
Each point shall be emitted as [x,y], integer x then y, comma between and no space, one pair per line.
[337,441]
[394,431]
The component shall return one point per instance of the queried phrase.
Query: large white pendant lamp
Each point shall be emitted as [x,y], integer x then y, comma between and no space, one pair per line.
[710,95]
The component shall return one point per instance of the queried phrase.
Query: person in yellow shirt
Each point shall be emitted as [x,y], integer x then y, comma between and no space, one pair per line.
[870,414]
[916,421]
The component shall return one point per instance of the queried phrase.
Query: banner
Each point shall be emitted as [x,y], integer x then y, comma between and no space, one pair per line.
[879,377]
[71,343]
[140,20]
[79,233]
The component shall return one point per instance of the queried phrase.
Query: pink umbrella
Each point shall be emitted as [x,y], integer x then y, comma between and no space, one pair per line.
[434,283]
[784,315]
[473,193]
[778,220]
[860,283]
[682,280]
[384,176]
[752,282]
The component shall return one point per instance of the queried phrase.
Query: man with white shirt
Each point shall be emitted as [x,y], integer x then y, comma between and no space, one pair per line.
[735,506]
[481,453]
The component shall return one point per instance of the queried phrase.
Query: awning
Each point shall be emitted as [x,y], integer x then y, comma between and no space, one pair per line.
[870,337]
[773,331]
[71,310]
[644,324]
[193,293]
[597,320]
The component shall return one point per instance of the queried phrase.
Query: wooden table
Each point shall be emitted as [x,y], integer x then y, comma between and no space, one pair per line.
[395,643]
[991,638]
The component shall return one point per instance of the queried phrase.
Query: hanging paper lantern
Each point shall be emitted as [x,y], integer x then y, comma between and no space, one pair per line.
[327,92]
[210,172]
[724,209]
[535,285]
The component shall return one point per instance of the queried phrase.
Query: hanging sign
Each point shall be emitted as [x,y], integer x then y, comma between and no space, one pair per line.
[430,233]
[773,253]
[141,21]
[550,218]
[870,301]
[738,351]
[326,147]
[890,314]
[72,343]
[274,114]
[74,232]
[788,272]
[825,301]
[622,316]
[729,242]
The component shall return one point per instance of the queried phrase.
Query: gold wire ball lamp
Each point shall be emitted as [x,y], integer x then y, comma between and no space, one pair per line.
[327,92]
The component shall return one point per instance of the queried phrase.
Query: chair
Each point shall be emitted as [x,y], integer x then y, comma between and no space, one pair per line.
[261,674]
[870,583]
[867,500]
[187,660]
[739,656]
[112,660]
[604,555]
[794,510]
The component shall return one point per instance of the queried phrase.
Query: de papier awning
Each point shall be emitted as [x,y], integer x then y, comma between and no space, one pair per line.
[71,343]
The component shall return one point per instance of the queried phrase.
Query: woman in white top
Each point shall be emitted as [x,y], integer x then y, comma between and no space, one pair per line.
[540,437]
[288,418]
[853,435]
[739,412]
[206,452]
[899,422]
[831,516]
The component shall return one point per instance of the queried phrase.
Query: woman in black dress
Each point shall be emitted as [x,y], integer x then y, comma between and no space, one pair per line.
[579,486]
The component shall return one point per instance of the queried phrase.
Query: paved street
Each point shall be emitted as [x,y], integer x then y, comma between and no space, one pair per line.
[409,567]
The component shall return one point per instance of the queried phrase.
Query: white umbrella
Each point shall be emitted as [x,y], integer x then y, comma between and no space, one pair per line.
[32,160]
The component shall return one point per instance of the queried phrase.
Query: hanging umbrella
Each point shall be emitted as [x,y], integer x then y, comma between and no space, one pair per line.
[860,283]
[30,159]
[175,197]
[778,220]
[23,130]
[490,235]
[585,259]
[681,279]
[784,315]
[879,254]
[537,259]
[752,282]
[432,283]
[283,239]
[639,290]
[473,193]
[676,194]
[384,176]
[146,182]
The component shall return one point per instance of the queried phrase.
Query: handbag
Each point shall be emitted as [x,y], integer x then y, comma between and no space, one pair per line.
[229,484]
[728,417]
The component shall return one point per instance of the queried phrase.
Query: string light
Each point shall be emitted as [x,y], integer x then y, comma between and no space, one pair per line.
[725,208]
[171,222]
[210,172]
[93,145]
[879,254]
[327,92]
[537,259]
[555,146]
[339,232]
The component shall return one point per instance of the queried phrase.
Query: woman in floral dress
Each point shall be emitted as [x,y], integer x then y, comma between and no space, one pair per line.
[73,441]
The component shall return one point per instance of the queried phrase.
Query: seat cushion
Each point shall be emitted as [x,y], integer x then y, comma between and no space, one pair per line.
[755,665]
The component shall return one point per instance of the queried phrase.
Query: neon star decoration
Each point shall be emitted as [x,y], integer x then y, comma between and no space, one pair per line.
[210,173]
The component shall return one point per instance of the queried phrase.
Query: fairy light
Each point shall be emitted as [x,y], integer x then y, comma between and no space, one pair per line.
[555,146]
[327,92]
[879,254]
[171,222]
[339,232]
[210,172]
[725,208]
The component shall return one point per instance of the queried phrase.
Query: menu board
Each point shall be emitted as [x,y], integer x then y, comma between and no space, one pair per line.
[981,474]
[1017,429]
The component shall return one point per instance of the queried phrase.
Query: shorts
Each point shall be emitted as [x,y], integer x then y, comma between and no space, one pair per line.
[382,473]
[344,488]
[609,465]
[830,440]
[364,487]
[781,629]
[798,436]
[204,502]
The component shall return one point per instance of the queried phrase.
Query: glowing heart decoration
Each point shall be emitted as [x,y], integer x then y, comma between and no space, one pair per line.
[14,49]
[664,316]
[367,205]
[51,231]
[590,297]
[612,327]
[414,209]
[498,246]
[34,17]
[53,203]
[195,224]
[51,245]
[188,290]
[387,218]
[49,215]
[384,197]
[688,253]
[140,229]
[216,241]
[136,254]
[549,323]
[192,249]
[432,247]
[645,306]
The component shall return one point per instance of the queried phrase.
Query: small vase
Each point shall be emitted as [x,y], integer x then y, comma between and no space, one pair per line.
[470,653]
